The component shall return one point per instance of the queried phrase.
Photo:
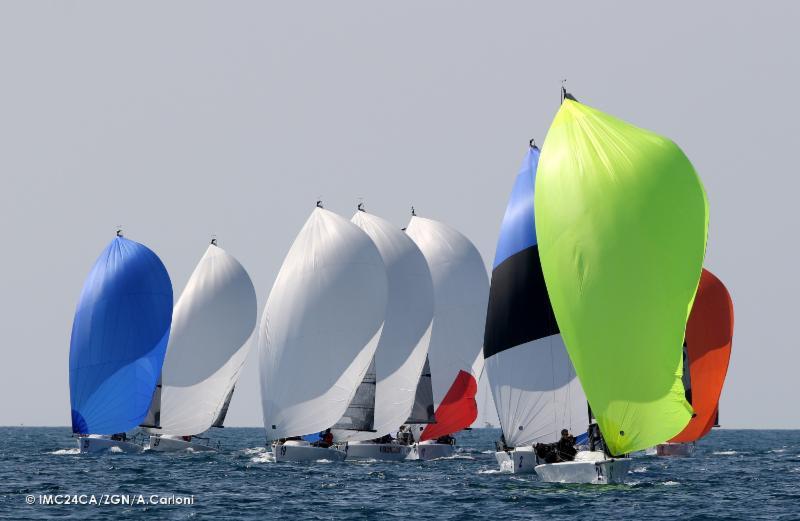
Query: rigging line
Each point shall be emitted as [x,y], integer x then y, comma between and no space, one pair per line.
[553,374]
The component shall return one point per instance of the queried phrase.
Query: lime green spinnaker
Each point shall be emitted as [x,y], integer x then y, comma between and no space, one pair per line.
[621,219]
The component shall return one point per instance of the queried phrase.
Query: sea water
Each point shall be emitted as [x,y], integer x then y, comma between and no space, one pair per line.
[733,474]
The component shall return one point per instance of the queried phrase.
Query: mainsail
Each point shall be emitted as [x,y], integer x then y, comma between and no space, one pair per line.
[621,222]
[359,417]
[212,325]
[219,421]
[320,327]
[119,337]
[423,411]
[533,382]
[403,346]
[709,336]
[460,292]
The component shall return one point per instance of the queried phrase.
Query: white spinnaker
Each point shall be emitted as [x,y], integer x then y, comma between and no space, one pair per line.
[460,293]
[536,392]
[212,325]
[320,326]
[406,332]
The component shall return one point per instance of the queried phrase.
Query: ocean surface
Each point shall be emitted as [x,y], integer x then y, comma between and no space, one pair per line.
[734,474]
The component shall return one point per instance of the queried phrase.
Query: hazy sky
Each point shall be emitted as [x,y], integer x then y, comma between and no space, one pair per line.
[183,119]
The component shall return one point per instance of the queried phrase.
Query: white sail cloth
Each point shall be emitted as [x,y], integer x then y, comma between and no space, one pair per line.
[461,292]
[320,326]
[212,324]
[536,392]
[404,340]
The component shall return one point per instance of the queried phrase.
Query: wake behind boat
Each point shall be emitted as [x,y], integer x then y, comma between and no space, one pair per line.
[119,338]
[321,325]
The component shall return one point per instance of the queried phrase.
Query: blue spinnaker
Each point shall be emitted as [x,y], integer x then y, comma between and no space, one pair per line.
[518,230]
[119,339]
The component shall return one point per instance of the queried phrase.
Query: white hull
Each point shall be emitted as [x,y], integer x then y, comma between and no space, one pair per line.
[95,444]
[671,449]
[170,444]
[360,450]
[589,467]
[428,450]
[304,451]
[521,460]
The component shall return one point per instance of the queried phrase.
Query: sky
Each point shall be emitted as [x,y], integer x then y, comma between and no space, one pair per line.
[179,120]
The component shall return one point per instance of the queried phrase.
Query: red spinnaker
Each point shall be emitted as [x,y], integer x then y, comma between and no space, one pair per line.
[458,409]
[709,334]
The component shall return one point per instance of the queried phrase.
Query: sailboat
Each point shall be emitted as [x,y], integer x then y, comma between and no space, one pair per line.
[709,337]
[119,338]
[386,396]
[321,325]
[533,383]
[460,293]
[621,223]
[212,325]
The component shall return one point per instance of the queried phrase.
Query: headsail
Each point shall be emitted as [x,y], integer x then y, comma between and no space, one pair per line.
[119,337]
[403,345]
[213,322]
[533,382]
[320,326]
[621,221]
[709,336]
[460,289]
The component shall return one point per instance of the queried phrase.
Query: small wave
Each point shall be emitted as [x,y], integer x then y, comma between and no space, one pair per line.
[670,483]
[264,457]
[777,450]
[487,452]
[490,471]
[639,470]
[254,450]
[61,452]
[115,450]
[725,453]
[324,460]
[454,456]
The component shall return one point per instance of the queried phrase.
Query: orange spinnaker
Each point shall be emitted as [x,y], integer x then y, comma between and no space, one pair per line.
[709,334]
[457,410]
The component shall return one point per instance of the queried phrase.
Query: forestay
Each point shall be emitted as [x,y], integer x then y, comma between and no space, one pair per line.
[320,327]
[534,385]
[212,326]
[119,337]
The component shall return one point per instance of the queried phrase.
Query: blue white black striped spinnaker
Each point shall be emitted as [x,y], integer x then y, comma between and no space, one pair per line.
[119,338]
[531,376]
